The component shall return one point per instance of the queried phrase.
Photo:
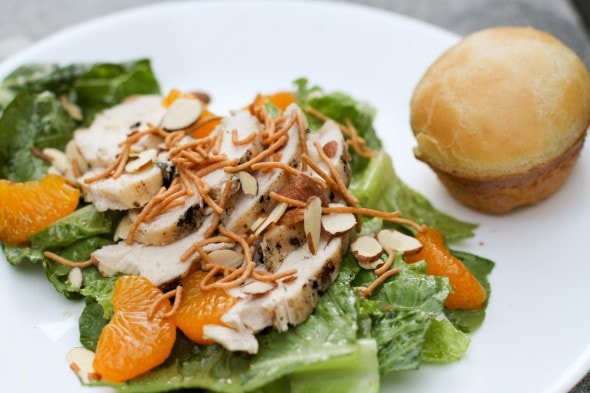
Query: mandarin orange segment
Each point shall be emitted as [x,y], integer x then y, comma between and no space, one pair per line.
[281,99]
[199,308]
[26,208]
[468,293]
[206,123]
[132,343]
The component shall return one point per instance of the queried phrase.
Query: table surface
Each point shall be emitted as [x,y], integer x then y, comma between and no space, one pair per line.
[24,22]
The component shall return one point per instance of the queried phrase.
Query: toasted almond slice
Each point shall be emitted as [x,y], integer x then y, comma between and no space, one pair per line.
[312,223]
[72,109]
[257,288]
[122,230]
[256,224]
[248,182]
[338,224]
[274,216]
[183,113]
[80,360]
[398,241]
[75,277]
[367,250]
[229,258]
[330,148]
[58,159]
[142,161]
[73,153]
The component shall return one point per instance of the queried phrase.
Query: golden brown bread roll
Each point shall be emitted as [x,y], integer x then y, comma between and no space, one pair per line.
[501,117]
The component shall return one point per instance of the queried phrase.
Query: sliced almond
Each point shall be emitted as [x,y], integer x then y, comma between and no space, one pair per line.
[183,113]
[256,224]
[257,288]
[80,361]
[229,258]
[142,161]
[75,277]
[292,216]
[399,242]
[302,188]
[72,109]
[248,182]
[122,230]
[274,216]
[73,154]
[367,250]
[338,224]
[330,148]
[58,159]
[312,223]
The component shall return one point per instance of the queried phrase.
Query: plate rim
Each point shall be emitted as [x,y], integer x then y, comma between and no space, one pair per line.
[576,370]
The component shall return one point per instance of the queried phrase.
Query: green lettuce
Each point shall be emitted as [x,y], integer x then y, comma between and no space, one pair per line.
[379,179]
[82,223]
[91,322]
[36,78]
[444,343]
[31,121]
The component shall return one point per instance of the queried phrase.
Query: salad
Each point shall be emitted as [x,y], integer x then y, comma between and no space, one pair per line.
[269,249]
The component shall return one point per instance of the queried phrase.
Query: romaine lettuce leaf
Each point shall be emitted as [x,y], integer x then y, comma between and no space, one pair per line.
[379,179]
[31,121]
[444,343]
[36,78]
[82,223]
[91,323]
[407,304]
[17,255]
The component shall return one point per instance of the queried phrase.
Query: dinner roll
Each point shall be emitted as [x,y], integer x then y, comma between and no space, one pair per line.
[501,117]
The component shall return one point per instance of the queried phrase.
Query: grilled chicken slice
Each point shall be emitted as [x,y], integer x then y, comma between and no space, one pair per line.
[130,191]
[289,303]
[160,264]
[179,222]
[280,240]
[284,247]
[330,133]
[172,225]
[245,208]
[99,143]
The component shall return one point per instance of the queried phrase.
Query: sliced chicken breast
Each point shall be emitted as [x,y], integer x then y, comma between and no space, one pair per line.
[130,191]
[179,222]
[99,143]
[289,303]
[245,209]
[160,264]
[330,132]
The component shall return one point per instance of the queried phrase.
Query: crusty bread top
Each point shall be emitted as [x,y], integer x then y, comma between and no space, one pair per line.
[500,102]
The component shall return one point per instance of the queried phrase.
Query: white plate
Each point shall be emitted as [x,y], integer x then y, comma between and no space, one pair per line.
[537,334]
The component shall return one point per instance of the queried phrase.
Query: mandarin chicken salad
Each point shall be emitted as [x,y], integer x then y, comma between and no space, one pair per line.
[272,248]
